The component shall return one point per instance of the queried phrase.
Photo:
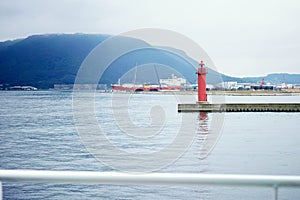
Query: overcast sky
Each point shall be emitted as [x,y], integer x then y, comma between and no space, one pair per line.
[243,38]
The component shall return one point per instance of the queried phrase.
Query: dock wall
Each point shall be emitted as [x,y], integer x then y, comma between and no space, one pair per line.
[240,107]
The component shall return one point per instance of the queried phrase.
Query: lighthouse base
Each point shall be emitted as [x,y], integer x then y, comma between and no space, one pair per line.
[202,102]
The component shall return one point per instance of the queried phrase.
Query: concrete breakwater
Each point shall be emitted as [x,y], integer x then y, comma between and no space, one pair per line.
[239,107]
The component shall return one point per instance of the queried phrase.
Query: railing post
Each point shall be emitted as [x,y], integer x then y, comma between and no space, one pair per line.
[1,197]
[276,192]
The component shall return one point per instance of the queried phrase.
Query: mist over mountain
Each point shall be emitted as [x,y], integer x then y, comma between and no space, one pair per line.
[45,60]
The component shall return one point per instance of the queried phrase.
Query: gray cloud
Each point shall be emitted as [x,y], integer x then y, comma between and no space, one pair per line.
[256,36]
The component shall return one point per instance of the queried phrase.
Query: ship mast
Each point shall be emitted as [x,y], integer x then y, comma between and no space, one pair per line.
[157,77]
[134,77]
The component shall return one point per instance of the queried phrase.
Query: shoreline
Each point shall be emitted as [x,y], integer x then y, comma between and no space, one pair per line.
[214,92]
[256,93]
[218,92]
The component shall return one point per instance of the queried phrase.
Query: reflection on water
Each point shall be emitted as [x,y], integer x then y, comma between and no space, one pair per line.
[202,133]
[203,123]
[206,137]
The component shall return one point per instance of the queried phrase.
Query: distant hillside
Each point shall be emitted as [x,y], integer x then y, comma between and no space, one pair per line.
[44,60]
[279,78]
[275,78]
[8,43]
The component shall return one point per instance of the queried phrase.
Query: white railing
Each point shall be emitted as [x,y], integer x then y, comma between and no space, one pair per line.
[151,178]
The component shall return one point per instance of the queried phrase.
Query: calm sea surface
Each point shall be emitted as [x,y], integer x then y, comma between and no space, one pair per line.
[37,131]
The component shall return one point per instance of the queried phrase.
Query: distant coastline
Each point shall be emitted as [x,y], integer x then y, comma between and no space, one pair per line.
[288,92]
[291,92]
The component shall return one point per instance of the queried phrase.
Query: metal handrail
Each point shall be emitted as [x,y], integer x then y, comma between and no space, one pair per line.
[92,177]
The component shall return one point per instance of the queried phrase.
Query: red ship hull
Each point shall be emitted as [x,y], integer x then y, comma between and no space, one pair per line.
[146,88]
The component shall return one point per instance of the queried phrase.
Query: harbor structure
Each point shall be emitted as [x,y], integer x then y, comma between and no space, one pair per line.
[202,96]
[202,105]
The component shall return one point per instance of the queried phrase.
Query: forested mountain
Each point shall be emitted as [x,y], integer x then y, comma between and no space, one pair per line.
[45,60]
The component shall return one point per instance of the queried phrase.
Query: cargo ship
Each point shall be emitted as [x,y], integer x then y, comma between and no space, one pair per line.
[145,87]
[172,84]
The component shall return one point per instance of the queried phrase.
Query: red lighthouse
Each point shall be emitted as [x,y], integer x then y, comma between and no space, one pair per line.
[202,96]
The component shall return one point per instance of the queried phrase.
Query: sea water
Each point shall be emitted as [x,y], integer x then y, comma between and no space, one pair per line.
[38,131]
